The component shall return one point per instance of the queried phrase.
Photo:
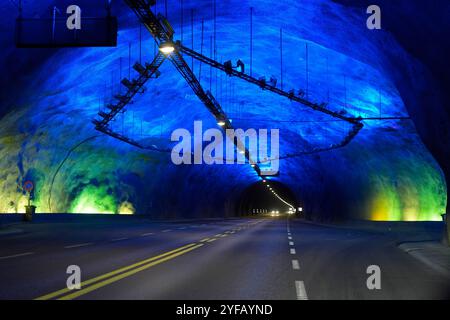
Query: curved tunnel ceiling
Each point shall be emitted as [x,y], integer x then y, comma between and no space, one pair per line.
[385,173]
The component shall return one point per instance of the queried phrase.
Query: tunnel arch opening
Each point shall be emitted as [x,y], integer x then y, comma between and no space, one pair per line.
[257,199]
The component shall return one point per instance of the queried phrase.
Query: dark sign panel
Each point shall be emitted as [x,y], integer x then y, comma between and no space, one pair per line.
[50,33]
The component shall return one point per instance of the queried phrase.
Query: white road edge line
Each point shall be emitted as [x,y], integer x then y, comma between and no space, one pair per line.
[295,265]
[293,251]
[301,291]
[147,234]
[17,255]
[78,245]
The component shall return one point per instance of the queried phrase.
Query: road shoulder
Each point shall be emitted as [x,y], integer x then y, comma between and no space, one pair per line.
[432,253]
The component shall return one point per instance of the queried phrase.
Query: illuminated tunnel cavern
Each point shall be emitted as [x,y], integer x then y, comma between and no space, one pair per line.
[393,169]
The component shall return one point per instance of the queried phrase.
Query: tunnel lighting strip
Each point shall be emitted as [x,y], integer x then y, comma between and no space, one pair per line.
[276,194]
[287,203]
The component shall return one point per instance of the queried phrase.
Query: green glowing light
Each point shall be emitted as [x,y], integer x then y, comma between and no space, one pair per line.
[411,191]
[94,200]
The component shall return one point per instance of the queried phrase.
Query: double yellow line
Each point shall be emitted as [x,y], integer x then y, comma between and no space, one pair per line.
[116,275]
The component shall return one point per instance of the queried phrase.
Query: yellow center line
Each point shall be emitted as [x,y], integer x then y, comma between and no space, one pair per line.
[113,273]
[118,274]
[106,282]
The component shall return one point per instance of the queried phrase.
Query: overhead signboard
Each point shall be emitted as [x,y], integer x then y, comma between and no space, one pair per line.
[66,27]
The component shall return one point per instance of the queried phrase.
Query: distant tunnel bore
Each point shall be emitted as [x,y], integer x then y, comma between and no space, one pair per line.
[257,199]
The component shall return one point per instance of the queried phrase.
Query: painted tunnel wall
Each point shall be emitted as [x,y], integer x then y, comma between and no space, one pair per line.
[49,98]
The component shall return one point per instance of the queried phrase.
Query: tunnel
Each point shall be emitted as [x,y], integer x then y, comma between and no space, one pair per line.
[394,169]
[224,150]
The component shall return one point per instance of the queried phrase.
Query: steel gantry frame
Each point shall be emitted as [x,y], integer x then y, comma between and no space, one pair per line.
[135,86]
[162,32]
[291,95]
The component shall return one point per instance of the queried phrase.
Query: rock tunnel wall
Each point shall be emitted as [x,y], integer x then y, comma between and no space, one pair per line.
[386,173]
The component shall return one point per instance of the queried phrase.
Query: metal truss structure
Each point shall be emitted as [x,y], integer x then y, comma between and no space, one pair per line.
[162,32]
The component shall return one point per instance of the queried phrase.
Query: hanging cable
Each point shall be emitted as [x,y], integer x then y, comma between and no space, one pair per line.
[215,30]
[192,33]
[281,57]
[140,43]
[129,60]
[181,19]
[307,70]
[201,52]
[251,41]
[210,67]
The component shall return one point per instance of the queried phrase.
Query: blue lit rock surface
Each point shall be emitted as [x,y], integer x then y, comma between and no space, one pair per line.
[386,173]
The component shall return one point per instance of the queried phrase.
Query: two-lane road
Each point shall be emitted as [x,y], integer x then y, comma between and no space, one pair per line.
[221,259]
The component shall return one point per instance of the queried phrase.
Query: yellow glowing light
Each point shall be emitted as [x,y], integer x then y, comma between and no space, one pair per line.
[90,209]
[167,48]
[23,201]
[126,208]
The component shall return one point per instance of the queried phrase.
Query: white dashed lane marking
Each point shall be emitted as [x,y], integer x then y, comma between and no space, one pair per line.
[119,239]
[299,285]
[17,255]
[301,291]
[78,245]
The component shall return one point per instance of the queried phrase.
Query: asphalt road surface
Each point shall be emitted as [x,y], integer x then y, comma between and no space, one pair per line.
[269,258]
